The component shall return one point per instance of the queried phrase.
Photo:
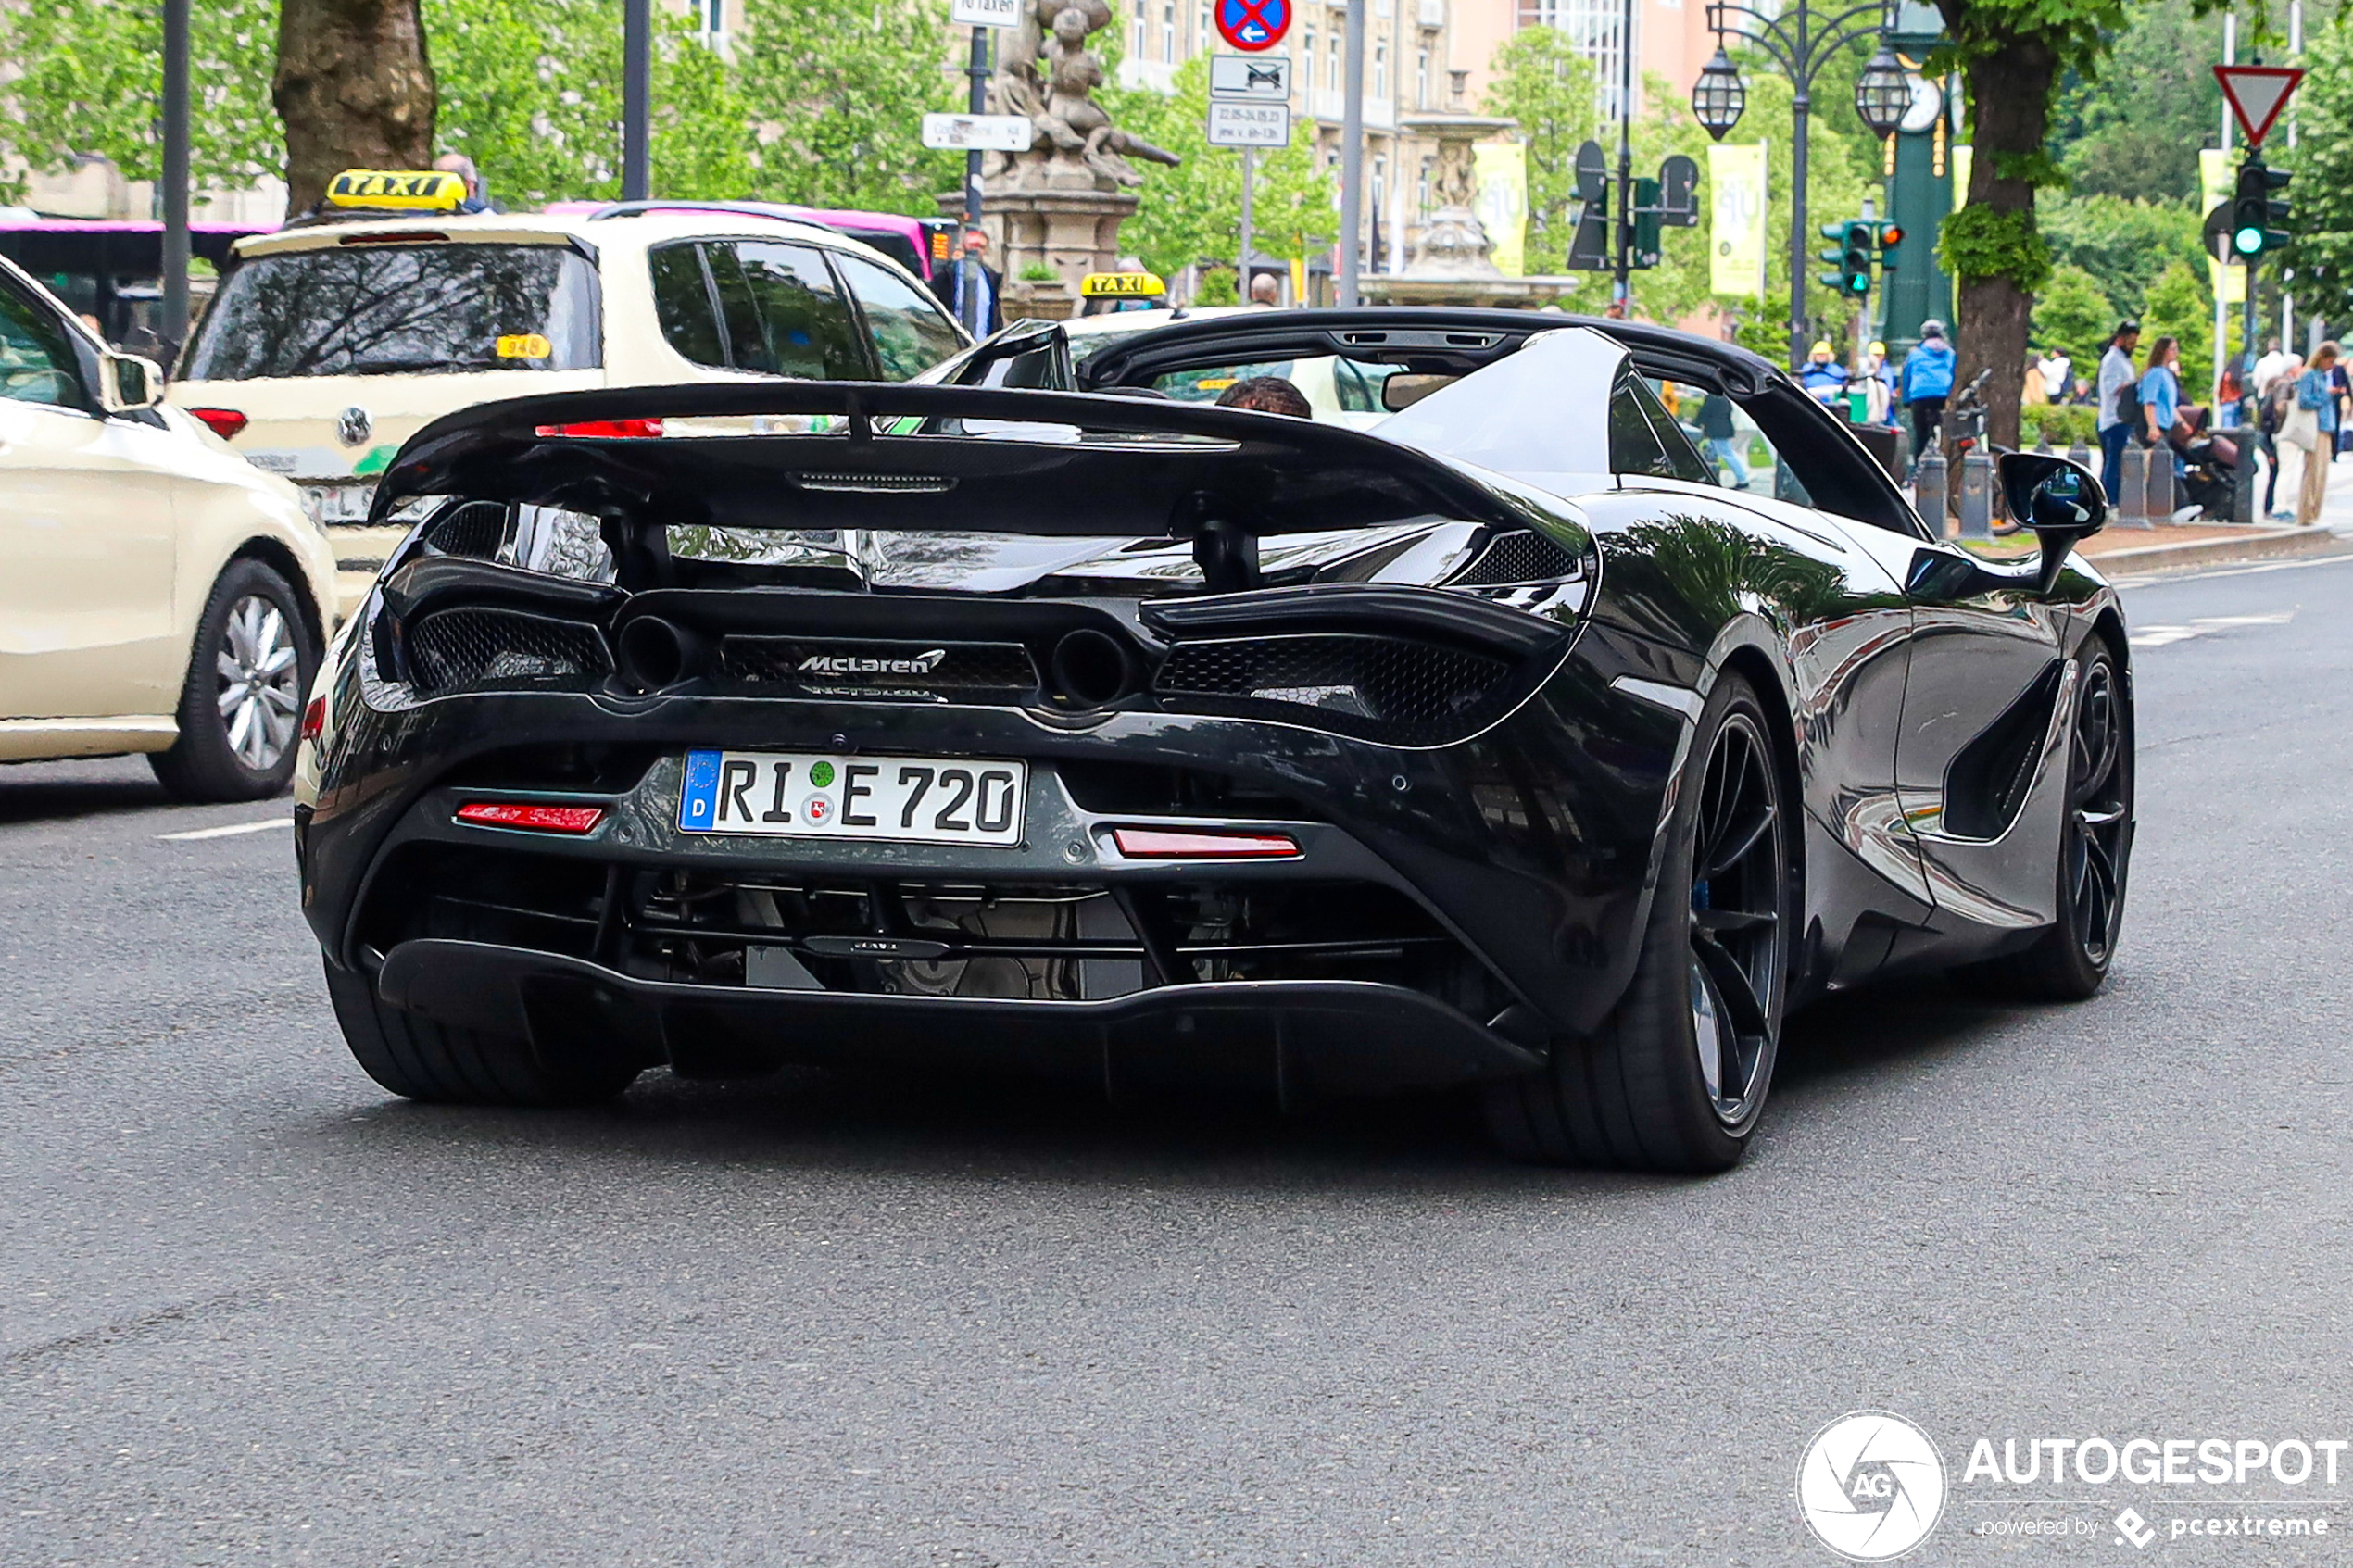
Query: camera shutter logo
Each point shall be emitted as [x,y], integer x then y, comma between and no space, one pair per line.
[1870,1486]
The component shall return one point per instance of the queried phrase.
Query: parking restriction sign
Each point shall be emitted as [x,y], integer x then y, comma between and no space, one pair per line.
[1254,24]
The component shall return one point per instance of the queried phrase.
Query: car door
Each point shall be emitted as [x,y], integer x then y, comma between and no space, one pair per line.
[1979,762]
[88,549]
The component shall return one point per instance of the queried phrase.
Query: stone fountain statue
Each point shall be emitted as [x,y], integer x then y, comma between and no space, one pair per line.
[1062,202]
[1049,75]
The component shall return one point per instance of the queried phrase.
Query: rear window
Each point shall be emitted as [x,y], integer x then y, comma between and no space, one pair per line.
[402,310]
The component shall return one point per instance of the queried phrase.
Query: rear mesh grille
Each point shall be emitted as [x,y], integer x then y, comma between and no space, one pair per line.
[966,672]
[1387,688]
[477,528]
[477,649]
[1519,557]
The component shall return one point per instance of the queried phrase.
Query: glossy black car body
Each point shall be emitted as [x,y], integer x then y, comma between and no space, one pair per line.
[1468,697]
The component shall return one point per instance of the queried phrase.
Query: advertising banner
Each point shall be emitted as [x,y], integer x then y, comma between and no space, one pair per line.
[1736,235]
[1498,175]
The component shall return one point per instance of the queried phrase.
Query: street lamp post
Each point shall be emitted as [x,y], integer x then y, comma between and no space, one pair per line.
[1801,43]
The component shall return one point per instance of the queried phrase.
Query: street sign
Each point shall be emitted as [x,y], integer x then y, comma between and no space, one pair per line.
[1589,248]
[1249,125]
[1254,24]
[984,13]
[978,132]
[1238,76]
[2257,94]
[1679,197]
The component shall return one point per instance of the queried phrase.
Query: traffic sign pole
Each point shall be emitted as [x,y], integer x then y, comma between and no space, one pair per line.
[968,276]
[1250,168]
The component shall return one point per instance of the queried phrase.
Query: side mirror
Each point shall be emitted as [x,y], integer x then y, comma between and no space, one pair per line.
[127,384]
[2061,502]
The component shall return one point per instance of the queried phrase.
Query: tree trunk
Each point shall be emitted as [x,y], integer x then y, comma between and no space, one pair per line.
[2010,104]
[355,90]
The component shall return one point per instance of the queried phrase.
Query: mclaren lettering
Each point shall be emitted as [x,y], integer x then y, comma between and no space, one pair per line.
[854,664]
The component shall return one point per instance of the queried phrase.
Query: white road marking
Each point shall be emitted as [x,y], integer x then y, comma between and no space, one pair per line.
[229,831]
[2160,579]
[2157,636]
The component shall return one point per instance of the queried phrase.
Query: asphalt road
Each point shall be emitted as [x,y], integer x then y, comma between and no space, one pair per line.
[253,1311]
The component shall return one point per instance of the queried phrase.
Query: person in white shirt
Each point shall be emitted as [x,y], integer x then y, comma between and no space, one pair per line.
[2055,366]
[2116,374]
[2268,367]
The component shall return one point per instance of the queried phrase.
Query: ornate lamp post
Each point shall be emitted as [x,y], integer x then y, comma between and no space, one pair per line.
[1801,43]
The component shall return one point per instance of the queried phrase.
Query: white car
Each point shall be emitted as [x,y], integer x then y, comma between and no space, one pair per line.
[333,341]
[158,594]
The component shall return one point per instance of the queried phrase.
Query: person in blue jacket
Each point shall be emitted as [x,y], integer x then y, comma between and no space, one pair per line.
[1822,375]
[1926,383]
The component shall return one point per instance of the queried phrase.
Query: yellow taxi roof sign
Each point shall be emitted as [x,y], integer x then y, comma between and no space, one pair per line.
[1121,285]
[398,190]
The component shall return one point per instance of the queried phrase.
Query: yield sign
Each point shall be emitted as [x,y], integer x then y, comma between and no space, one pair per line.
[2256,94]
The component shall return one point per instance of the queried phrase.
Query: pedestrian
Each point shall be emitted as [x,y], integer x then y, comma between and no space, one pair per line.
[1822,375]
[477,194]
[2312,425]
[2267,367]
[1878,384]
[1615,311]
[1720,437]
[2118,385]
[987,281]
[2275,400]
[2034,390]
[1264,291]
[2055,366]
[2160,393]
[1926,383]
[1267,395]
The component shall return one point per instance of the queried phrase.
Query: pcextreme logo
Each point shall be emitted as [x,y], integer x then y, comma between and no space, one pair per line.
[1870,1486]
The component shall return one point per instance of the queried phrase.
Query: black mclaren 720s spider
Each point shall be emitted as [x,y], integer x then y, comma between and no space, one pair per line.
[1487,728]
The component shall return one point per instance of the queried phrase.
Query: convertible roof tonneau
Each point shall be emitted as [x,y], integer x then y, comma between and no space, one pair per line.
[1210,470]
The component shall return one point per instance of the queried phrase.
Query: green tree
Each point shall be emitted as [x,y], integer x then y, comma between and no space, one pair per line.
[1539,78]
[2015,54]
[2322,252]
[2072,315]
[840,91]
[2181,305]
[1193,212]
[2123,244]
[91,81]
[2135,128]
[531,91]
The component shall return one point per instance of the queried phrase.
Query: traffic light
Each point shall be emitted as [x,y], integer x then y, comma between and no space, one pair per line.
[1645,215]
[1852,257]
[2257,221]
[1889,236]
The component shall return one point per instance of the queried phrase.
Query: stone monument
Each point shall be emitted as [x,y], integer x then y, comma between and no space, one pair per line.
[1062,202]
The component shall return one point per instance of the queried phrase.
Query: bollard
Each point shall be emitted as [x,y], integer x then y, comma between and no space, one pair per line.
[2081,456]
[1977,495]
[2161,504]
[1929,490]
[2132,487]
[2246,489]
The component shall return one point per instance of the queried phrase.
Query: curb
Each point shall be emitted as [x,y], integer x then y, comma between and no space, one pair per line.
[2265,545]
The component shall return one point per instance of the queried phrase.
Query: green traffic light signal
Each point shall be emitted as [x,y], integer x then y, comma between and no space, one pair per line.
[2258,220]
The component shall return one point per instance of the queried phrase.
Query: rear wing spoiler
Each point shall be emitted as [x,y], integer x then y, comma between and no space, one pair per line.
[906,457]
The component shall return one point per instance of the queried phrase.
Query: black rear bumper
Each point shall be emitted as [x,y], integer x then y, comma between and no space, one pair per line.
[1299,1037]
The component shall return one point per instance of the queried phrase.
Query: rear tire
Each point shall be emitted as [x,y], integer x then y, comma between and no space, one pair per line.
[420,1060]
[1675,1078]
[249,668]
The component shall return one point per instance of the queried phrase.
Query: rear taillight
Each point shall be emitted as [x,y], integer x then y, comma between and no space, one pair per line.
[1174,844]
[314,719]
[224,422]
[529,818]
[620,430]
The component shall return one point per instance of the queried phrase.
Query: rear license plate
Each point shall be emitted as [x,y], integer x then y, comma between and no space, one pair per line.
[910,799]
[334,505]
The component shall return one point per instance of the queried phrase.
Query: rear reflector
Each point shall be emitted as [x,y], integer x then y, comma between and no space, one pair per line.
[314,719]
[620,430]
[1170,844]
[224,422]
[531,819]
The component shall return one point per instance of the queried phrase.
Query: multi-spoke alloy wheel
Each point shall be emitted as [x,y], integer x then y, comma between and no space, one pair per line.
[2068,962]
[1739,872]
[258,668]
[2099,808]
[1676,1077]
[241,704]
